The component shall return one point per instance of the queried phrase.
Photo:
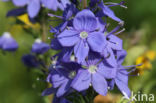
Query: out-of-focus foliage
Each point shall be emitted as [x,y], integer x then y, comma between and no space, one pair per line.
[20,85]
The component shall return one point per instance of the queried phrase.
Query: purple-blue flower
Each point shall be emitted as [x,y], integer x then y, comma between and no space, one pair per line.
[106,11]
[113,44]
[55,4]
[30,60]
[95,74]
[40,47]
[33,6]
[66,18]
[83,35]
[8,43]
[122,73]
[61,77]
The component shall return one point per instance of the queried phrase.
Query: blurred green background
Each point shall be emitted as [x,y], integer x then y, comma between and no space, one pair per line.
[18,84]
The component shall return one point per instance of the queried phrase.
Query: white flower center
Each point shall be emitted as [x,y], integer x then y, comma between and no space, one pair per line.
[92,69]
[83,35]
[7,35]
[72,74]
[38,41]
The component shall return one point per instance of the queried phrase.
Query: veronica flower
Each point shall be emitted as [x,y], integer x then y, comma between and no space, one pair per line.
[33,6]
[40,47]
[30,60]
[95,75]
[122,74]
[61,77]
[64,54]
[7,42]
[55,4]
[83,35]
[113,44]
[106,11]
[68,12]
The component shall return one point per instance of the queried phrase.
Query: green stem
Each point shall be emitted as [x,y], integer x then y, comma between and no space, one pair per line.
[84,2]
[44,32]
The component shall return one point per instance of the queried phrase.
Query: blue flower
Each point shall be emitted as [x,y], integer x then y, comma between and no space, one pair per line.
[61,77]
[7,43]
[95,74]
[113,44]
[64,54]
[30,60]
[40,47]
[55,4]
[106,11]
[69,11]
[83,35]
[33,6]
[122,73]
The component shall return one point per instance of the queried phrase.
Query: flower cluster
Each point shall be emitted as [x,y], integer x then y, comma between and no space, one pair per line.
[89,55]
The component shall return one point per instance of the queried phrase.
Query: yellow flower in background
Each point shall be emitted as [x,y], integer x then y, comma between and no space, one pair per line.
[25,19]
[145,60]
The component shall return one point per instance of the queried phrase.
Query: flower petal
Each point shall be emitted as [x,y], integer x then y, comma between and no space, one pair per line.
[96,41]
[33,8]
[68,38]
[108,12]
[114,42]
[107,71]
[123,88]
[48,91]
[99,84]
[63,88]
[85,20]
[20,2]
[109,56]
[81,50]
[55,44]
[82,81]
[65,54]
[121,56]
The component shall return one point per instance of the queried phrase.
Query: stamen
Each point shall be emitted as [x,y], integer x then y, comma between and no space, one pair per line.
[110,4]
[92,69]
[52,15]
[120,31]
[72,74]
[83,35]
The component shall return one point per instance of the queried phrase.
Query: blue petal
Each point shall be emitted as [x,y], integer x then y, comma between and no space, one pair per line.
[48,91]
[68,38]
[20,2]
[40,48]
[123,88]
[109,56]
[114,42]
[63,88]
[96,41]
[16,12]
[55,44]
[121,56]
[101,25]
[99,84]
[107,71]
[50,4]
[108,12]
[81,50]
[82,81]
[85,20]
[33,8]
[65,54]
[10,45]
